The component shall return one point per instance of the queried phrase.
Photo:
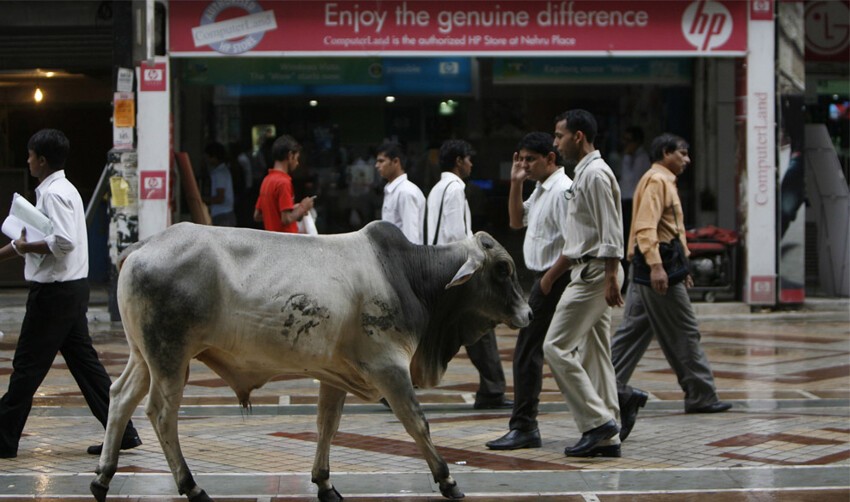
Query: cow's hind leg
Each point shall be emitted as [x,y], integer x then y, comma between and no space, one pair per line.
[124,395]
[166,392]
[331,401]
[397,388]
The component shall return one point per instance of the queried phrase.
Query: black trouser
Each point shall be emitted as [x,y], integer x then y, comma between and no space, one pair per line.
[484,355]
[55,321]
[528,355]
[627,225]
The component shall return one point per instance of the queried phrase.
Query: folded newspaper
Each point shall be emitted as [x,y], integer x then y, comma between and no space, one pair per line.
[25,215]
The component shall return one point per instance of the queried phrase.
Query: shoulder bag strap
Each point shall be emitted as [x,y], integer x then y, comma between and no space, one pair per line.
[440,213]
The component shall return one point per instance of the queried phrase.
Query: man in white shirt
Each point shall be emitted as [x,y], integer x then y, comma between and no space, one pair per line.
[535,159]
[578,345]
[404,203]
[57,268]
[635,164]
[220,198]
[449,220]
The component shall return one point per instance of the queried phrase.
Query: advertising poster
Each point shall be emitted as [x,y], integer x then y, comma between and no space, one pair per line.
[233,27]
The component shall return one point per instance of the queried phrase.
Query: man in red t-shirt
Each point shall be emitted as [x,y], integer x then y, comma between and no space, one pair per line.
[275,206]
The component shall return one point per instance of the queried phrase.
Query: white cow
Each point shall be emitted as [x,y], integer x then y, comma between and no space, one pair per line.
[366,312]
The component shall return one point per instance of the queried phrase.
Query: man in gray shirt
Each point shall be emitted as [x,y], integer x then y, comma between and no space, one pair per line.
[577,345]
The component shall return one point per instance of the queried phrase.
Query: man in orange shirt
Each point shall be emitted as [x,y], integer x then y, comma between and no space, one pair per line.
[276,206]
[662,309]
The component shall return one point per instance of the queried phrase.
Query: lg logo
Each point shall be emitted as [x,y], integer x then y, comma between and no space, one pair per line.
[707,24]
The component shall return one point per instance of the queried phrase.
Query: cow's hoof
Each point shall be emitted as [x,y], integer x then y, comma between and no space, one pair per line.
[451,491]
[98,490]
[201,497]
[329,495]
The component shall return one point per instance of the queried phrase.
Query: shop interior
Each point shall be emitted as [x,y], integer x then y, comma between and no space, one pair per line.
[491,104]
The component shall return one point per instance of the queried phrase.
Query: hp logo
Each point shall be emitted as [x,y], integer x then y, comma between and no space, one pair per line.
[707,24]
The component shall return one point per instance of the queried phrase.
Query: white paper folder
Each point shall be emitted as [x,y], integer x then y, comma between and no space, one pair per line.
[25,215]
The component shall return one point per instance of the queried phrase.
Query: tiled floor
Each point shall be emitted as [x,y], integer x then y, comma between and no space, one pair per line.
[786,439]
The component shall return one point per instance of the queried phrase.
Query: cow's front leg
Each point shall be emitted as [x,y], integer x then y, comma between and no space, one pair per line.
[124,395]
[331,401]
[397,387]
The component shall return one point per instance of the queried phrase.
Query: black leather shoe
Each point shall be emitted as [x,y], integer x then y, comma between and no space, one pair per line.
[516,439]
[128,443]
[717,407]
[608,451]
[629,411]
[8,454]
[494,403]
[591,438]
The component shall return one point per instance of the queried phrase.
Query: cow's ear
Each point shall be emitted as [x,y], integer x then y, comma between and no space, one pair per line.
[472,264]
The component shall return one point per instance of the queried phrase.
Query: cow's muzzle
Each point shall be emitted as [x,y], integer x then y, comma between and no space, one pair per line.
[521,318]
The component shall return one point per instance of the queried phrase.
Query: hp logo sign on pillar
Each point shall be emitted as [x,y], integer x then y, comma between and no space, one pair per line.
[707,25]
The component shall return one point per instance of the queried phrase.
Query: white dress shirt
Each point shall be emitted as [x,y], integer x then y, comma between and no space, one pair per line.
[57,198]
[594,222]
[220,178]
[404,207]
[456,220]
[543,213]
[634,166]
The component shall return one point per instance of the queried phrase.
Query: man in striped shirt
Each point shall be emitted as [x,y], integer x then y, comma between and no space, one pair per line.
[577,345]
[535,159]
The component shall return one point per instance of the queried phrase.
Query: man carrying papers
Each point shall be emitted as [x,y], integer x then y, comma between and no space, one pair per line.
[57,267]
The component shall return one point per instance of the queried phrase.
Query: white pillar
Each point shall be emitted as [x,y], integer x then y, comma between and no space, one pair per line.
[760,277]
[154,146]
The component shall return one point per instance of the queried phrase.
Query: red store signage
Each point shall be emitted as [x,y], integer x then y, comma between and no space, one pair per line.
[674,27]
[153,77]
[152,185]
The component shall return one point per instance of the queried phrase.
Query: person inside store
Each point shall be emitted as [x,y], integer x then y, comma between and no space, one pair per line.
[448,220]
[662,308]
[404,203]
[241,169]
[577,344]
[56,268]
[535,159]
[220,199]
[634,164]
[276,206]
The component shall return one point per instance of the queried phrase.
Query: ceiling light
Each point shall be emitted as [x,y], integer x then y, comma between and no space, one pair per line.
[390,99]
[49,74]
[38,96]
[313,102]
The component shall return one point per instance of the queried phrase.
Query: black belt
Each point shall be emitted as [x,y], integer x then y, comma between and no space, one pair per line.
[584,259]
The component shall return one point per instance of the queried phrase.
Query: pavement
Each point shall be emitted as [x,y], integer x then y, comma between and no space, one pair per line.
[787,438]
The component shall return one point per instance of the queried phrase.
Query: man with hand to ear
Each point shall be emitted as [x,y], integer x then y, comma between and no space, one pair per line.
[57,268]
[535,159]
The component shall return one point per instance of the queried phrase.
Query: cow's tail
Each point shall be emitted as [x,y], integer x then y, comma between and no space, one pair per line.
[128,251]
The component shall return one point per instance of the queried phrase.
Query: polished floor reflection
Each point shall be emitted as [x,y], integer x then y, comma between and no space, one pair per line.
[786,439]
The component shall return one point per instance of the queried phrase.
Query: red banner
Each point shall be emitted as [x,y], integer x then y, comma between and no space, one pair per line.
[673,27]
